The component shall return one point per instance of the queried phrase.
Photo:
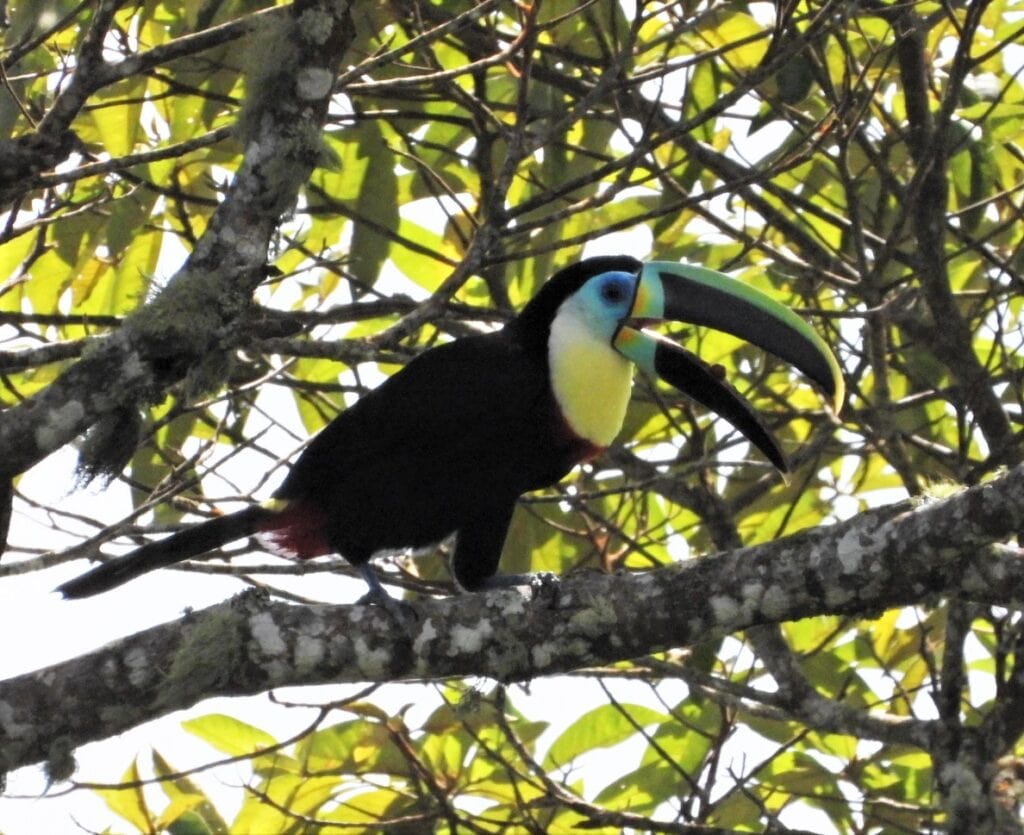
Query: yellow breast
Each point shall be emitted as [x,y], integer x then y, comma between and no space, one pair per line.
[590,379]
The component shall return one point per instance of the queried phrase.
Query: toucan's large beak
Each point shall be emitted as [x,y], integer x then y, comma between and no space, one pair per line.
[685,293]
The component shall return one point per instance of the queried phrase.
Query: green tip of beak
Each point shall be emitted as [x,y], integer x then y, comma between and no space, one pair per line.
[699,296]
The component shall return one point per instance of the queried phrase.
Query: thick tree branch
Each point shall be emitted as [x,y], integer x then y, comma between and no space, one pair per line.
[187,331]
[895,556]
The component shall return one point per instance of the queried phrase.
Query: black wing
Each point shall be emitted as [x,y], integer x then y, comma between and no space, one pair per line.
[464,426]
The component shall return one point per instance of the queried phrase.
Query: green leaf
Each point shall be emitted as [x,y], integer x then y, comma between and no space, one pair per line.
[376,207]
[641,790]
[230,735]
[355,746]
[601,727]
[12,257]
[190,812]
[115,129]
[744,40]
[371,807]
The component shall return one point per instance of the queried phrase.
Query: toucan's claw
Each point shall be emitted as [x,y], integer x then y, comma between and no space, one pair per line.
[377,595]
[542,584]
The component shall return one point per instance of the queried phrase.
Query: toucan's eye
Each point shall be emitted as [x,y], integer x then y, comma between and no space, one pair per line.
[612,291]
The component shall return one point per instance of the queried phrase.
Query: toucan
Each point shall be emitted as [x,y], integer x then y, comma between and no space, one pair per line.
[449,443]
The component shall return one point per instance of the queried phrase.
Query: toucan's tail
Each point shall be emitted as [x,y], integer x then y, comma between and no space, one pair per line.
[177,547]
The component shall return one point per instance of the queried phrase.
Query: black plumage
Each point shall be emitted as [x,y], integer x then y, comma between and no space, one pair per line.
[446,445]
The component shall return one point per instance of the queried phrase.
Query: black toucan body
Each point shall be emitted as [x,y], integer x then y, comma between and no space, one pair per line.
[449,443]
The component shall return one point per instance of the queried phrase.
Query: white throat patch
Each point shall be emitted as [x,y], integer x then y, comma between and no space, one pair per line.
[590,379]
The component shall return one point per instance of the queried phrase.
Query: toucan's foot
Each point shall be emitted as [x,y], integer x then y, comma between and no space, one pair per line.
[544,585]
[377,595]
[399,610]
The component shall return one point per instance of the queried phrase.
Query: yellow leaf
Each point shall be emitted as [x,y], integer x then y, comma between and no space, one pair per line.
[129,802]
[85,282]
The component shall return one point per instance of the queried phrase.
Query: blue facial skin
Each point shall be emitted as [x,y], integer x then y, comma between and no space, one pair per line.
[606,300]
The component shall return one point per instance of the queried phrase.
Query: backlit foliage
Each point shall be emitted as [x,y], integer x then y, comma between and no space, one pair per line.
[861,162]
